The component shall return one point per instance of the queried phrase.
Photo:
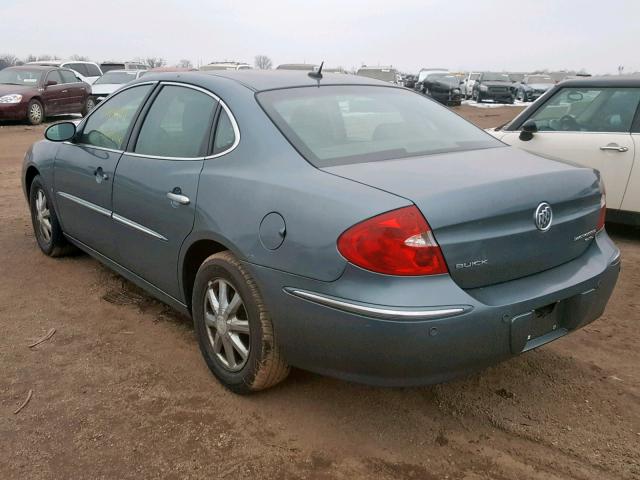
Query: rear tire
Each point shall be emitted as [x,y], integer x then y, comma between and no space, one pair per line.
[236,337]
[35,112]
[44,219]
[89,105]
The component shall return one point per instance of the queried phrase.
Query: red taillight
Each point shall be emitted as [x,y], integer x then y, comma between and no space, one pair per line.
[399,242]
[603,208]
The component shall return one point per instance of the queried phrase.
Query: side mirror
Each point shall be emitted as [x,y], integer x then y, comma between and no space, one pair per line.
[60,132]
[50,83]
[528,129]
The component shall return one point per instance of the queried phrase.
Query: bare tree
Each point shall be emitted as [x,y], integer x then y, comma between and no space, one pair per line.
[155,62]
[184,63]
[79,58]
[30,58]
[263,62]
[45,58]
[8,60]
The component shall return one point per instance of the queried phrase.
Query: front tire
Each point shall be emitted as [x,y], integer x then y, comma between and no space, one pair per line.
[44,219]
[35,112]
[233,327]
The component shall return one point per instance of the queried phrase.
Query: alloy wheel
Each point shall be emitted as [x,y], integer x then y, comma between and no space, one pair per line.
[35,113]
[227,324]
[43,215]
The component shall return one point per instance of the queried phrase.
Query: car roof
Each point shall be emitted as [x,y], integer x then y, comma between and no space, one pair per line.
[36,67]
[259,80]
[57,63]
[611,81]
[121,70]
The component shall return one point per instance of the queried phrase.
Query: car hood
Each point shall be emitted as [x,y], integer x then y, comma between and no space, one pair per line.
[19,89]
[105,88]
[444,85]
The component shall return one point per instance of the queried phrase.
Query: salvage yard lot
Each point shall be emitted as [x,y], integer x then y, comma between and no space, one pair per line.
[121,391]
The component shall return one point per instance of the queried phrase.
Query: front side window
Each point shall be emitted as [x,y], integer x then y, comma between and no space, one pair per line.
[177,124]
[337,125]
[68,76]
[108,125]
[575,109]
[54,76]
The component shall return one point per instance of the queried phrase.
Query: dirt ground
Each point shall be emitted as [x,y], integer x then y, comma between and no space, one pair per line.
[121,391]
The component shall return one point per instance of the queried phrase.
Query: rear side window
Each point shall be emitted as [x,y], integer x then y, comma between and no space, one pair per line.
[107,127]
[337,125]
[225,134]
[177,124]
[68,76]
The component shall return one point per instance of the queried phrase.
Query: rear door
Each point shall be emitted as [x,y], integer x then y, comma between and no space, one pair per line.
[156,182]
[83,171]
[591,127]
[76,92]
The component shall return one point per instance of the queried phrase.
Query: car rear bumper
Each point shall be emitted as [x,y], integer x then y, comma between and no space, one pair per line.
[13,111]
[405,346]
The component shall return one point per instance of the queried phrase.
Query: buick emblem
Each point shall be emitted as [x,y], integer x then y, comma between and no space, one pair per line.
[543,217]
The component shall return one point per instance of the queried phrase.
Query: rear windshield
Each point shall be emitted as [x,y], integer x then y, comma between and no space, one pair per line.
[338,125]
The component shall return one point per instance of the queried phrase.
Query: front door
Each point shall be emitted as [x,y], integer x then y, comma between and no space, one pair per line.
[590,127]
[84,170]
[54,96]
[156,184]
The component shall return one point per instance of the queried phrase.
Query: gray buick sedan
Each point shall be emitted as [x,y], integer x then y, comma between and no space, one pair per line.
[330,222]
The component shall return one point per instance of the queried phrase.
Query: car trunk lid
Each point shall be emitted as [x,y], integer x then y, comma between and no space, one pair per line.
[481,206]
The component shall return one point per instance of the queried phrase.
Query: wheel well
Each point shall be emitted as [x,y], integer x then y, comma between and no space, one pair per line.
[197,253]
[29,176]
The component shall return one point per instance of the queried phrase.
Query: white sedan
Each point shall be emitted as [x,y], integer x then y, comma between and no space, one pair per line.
[593,122]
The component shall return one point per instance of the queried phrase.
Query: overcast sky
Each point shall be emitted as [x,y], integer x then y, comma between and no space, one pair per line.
[516,35]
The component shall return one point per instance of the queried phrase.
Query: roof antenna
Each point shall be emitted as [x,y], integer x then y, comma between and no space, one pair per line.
[317,75]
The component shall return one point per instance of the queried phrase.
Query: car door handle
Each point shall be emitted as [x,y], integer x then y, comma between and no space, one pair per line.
[178,198]
[65,91]
[615,148]
[100,175]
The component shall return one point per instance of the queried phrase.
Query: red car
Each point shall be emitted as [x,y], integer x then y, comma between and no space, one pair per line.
[32,93]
